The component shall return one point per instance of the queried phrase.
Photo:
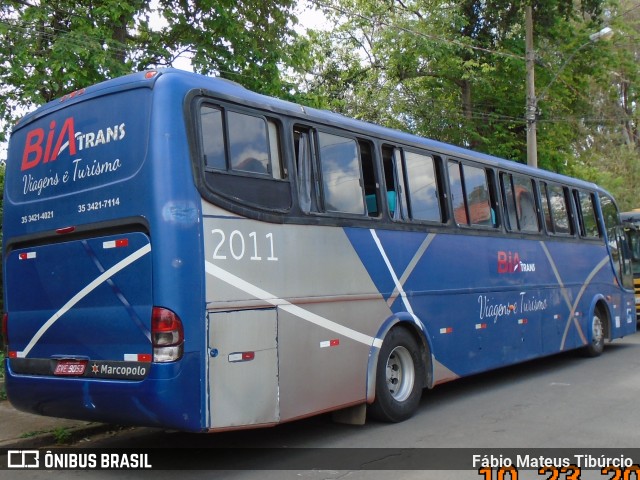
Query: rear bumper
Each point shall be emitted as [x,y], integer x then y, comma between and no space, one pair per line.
[168,397]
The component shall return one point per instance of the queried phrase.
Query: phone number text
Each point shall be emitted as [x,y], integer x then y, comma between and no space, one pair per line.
[99,205]
[36,217]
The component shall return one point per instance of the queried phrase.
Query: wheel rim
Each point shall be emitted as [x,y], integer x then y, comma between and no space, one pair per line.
[597,330]
[400,373]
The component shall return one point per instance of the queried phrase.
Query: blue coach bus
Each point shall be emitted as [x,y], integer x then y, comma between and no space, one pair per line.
[182,252]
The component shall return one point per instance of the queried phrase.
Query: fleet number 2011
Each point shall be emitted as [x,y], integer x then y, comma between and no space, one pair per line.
[255,246]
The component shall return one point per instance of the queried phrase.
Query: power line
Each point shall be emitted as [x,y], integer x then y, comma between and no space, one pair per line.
[434,38]
[116,47]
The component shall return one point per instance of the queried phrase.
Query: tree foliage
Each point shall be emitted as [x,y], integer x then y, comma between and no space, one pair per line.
[456,72]
[52,47]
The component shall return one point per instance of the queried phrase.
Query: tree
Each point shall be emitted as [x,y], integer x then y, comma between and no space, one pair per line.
[608,151]
[52,47]
[456,72]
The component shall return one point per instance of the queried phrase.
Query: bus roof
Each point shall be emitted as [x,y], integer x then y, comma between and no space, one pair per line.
[230,91]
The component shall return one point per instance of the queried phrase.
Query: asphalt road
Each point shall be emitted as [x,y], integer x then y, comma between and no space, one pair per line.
[564,401]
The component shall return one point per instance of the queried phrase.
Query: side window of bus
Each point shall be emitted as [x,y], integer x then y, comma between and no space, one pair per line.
[424,199]
[394,182]
[238,142]
[519,200]
[212,133]
[341,176]
[305,162]
[340,173]
[587,221]
[618,246]
[470,195]
[371,184]
[556,209]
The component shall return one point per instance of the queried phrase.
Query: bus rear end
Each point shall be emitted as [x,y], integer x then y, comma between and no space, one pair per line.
[88,335]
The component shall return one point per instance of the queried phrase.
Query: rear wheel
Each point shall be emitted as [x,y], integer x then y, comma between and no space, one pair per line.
[597,337]
[399,376]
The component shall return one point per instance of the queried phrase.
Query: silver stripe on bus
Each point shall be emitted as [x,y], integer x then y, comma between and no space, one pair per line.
[311,317]
[565,295]
[412,265]
[405,300]
[83,293]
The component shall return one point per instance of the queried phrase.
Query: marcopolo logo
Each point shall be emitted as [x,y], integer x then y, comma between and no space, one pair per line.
[510,262]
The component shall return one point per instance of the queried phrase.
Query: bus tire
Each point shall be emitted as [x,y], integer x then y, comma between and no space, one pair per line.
[399,377]
[597,335]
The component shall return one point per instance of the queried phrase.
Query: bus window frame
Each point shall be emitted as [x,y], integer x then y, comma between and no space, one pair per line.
[535,193]
[490,181]
[230,169]
[577,193]
[568,202]
[437,172]
[220,187]
[313,130]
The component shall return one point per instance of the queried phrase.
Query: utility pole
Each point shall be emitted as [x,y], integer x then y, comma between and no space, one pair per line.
[532,102]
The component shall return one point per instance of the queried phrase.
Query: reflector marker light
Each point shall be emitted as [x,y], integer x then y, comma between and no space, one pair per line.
[556,317]
[71,95]
[137,357]
[330,343]
[27,255]
[121,242]
[522,321]
[241,357]
[446,330]
[481,326]
[63,230]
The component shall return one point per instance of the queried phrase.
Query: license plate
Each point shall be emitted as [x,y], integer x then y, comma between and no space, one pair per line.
[70,367]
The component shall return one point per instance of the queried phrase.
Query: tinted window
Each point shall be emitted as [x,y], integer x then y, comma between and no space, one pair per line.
[394,182]
[213,138]
[233,141]
[248,143]
[559,210]
[588,221]
[423,187]
[519,200]
[470,195]
[477,195]
[341,175]
[457,195]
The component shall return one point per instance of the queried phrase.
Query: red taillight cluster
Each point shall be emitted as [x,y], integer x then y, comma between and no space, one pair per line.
[167,335]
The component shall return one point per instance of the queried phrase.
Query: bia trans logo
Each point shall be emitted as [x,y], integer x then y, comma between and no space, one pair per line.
[510,262]
[44,147]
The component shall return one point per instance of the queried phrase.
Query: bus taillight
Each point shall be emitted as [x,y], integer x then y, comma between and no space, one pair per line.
[167,335]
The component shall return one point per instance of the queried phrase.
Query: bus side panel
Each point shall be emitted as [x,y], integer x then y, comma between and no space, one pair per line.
[489,302]
[328,313]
